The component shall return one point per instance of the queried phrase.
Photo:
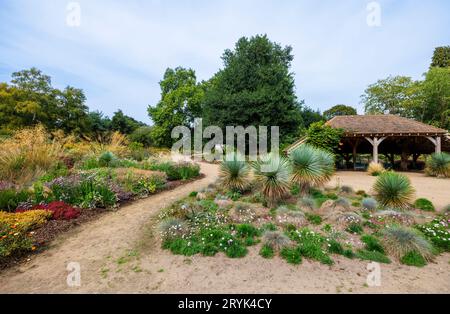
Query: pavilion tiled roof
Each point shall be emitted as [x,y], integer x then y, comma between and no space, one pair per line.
[383,125]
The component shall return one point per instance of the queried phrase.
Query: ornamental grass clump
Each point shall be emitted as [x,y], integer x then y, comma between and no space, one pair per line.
[234,172]
[375,169]
[369,203]
[400,241]
[276,240]
[311,167]
[393,190]
[27,155]
[272,173]
[438,165]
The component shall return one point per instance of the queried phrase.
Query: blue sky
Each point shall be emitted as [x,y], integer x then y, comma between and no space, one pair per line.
[121,49]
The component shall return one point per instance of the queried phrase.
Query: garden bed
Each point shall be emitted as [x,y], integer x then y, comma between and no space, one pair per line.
[49,231]
[286,212]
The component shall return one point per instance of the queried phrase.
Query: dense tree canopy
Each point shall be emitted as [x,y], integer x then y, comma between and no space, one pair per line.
[180,104]
[124,124]
[388,95]
[255,87]
[441,57]
[339,110]
[31,99]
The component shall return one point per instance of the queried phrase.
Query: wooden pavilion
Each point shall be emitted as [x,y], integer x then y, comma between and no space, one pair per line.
[389,135]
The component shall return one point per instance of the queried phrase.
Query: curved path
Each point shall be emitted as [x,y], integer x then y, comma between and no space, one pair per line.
[92,243]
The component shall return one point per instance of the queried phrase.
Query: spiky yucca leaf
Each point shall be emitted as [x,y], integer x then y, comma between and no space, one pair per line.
[438,165]
[393,190]
[327,163]
[311,166]
[234,172]
[399,241]
[273,172]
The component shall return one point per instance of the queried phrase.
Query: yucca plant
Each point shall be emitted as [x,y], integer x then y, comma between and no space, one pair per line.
[438,165]
[311,166]
[234,172]
[272,173]
[399,241]
[393,190]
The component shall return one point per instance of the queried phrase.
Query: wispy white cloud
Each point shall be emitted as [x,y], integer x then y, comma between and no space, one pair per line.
[120,51]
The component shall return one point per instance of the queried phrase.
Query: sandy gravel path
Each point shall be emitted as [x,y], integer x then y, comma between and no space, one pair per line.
[119,253]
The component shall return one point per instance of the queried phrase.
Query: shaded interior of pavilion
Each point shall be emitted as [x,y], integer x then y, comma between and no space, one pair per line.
[394,152]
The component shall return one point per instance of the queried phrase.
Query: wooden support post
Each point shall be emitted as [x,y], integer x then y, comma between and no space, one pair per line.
[354,146]
[437,143]
[375,143]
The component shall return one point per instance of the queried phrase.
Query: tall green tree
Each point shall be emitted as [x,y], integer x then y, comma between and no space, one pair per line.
[73,114]
[388,95]
[339,110]
[255,87]
[432,102]
[181,102]
[124,124]
[441,57]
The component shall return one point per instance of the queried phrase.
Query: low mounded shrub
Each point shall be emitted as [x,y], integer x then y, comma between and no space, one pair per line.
[372,243]
[373,256]
[354,228]
[413,258]
[267,251]
[437,231]
[424,204]
[25,221]
[58,209]
[15,228]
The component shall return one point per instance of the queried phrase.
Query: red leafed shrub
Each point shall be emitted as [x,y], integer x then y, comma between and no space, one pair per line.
[60,210]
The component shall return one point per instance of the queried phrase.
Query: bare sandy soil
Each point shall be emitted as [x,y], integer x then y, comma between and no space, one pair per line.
[434,189]
[119,253]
